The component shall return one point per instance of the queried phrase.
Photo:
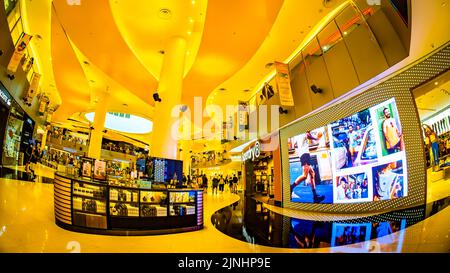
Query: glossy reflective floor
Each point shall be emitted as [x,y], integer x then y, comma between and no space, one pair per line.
[250,221]
[27,225]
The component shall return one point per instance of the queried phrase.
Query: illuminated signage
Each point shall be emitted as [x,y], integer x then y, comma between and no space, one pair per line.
[5,97]
[252,153]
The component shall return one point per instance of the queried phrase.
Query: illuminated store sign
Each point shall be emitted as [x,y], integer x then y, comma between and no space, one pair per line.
[252,153]
[5,97]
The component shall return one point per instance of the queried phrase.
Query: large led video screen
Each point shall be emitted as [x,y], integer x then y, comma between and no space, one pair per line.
[359,158]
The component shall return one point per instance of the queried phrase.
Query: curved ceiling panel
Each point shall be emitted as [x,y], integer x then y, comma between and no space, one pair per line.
[36,16]
[147,25]
[233,32]
[286,36]
[68,73]
[92,28]
[99,82]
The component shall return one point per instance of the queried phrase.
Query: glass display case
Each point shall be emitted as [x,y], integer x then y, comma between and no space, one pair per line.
[89,204]
[123,207]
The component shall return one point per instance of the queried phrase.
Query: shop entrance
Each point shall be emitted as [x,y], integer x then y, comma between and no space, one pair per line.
[259,176]
[433,105]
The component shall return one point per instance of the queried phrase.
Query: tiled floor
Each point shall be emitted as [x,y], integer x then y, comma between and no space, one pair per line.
[27,225]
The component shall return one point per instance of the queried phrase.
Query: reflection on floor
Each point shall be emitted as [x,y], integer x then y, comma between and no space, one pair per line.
[248,220]
[43,174]
[27,225]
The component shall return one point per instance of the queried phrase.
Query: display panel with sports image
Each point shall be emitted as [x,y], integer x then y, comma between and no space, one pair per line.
[340,162]
[310,167]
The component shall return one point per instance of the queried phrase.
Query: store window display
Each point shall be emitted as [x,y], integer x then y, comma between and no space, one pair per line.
[11,143]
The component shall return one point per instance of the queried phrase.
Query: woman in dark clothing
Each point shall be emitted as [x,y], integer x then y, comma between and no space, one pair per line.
[33,157]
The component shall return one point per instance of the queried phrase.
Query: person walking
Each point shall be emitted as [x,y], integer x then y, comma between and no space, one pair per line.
[215,182]
[205,183]
[235,181]
[221,183]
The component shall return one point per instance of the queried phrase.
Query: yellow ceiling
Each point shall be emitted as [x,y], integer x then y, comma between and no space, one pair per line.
[433,96]
[115,45]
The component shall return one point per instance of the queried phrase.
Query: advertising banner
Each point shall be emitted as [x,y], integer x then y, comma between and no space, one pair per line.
[243,116]
[32,90]
[48,118]
[18,53]
[43,105]
[28,64]
[284,84]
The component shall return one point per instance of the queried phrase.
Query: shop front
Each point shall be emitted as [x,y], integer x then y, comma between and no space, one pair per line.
[261,168]
[89,200]
[18,128]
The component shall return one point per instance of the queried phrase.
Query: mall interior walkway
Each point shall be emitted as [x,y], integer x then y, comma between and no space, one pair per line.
[27,224]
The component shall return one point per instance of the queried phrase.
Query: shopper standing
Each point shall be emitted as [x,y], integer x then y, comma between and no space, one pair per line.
[205,182]
[221,183]
[215,182]
[235,181]
[433,143]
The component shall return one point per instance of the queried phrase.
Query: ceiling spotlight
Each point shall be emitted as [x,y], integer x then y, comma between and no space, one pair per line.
[315,89]
[165,13]
[282,111]
[183,108]
[156,97]
[268,65]
[222,89]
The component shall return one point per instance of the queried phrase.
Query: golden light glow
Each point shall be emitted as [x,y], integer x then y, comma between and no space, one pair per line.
[313,33]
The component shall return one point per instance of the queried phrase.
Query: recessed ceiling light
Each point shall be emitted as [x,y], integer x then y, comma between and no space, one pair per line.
[161,52]
[268,65]
[246,90]
[165,13]
[436,83]
[222,89]
[126,105]
[86,63]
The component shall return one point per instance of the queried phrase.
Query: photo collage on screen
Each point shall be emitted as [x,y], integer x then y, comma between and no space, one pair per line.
[359,158]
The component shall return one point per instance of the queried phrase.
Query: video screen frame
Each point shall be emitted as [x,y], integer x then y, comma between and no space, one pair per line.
[356,144]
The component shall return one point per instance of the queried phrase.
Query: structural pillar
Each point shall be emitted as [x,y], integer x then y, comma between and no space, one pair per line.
[44,139]
[95,140]
[164,142]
